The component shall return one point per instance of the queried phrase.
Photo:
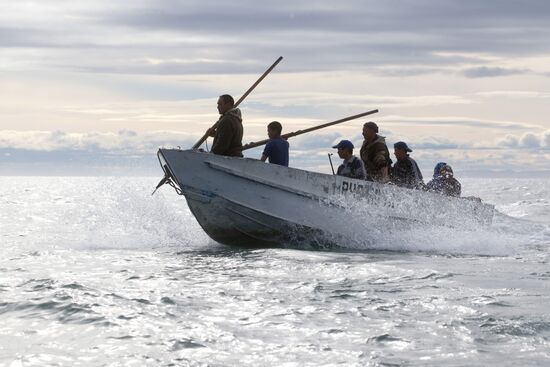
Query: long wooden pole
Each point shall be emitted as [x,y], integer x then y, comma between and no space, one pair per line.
[205,136]
[300,132]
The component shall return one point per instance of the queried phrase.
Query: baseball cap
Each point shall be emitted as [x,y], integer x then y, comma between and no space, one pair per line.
[344,144]
[402,145]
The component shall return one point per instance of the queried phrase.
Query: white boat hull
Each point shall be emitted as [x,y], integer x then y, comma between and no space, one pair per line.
[246,202]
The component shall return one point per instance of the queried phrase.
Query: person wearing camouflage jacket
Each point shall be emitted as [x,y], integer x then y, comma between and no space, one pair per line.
[375,154]
[229,131]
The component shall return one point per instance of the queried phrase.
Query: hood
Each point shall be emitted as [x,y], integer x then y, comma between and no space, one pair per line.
[438,167]
[235,112]
[379,138]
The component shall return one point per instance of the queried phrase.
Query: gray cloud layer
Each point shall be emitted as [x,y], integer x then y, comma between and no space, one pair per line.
[209,37]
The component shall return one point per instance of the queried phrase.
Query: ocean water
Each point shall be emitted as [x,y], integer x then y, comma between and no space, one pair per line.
[95,271]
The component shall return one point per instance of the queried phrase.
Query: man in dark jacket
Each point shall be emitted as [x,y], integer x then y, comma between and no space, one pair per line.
[352,166]
[375,154]
[228,135]
[445,183]
[405,171]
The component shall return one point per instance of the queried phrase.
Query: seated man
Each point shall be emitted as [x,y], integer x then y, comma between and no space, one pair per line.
[405,171]
[352,166]
[437,169]
[276,148]
[445,183]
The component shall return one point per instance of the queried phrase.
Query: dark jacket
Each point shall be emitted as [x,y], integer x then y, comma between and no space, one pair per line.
[353,168]
[376,157]
[405,173]
[445,185]
[229,134]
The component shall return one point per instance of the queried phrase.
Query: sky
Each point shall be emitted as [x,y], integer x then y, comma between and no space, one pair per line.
[96,87]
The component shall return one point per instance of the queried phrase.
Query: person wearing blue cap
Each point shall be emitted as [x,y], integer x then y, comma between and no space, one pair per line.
[405,172]
[445,183]
[352,166]
[437,169]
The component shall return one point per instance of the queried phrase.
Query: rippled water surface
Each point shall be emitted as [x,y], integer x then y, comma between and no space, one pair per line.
[96,272]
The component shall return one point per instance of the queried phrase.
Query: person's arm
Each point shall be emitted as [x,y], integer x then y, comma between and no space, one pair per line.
[457,188]
[380,159]
[267,152]
[360,171]
[410,177]
[222,140]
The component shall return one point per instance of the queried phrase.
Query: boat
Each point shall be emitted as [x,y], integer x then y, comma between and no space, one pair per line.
[247,202]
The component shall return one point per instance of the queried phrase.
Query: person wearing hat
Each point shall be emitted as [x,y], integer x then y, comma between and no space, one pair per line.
[445,183]
[437,169]
[352,166]
[405,171]
[375,154]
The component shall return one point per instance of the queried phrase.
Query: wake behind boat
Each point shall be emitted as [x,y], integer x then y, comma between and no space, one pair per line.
[246,202]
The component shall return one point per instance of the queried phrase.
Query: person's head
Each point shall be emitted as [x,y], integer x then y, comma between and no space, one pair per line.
[437,168]
[274,129]
[401,150]
[345,149]
[225,103]
[370,129]
[446,171]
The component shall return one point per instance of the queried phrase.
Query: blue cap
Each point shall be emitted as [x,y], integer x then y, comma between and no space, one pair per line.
[344,144]
[402,145]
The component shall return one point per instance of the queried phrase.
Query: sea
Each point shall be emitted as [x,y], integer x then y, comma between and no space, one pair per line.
[94,271]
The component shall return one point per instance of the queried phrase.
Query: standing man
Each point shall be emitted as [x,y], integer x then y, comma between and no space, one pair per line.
[375,154]
[276,148]
[352,166]
[228,135]
[405,171]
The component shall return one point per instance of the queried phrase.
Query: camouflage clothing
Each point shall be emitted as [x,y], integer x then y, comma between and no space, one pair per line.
[376,157]
[352,168]
[445,185]
[405,173]
[229,134]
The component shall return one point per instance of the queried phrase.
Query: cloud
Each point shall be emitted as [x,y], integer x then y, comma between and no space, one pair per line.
[527,140]
[194,36]
[437,143]
[458,122]
[121,142]
[491,72]
[545,141]
[130,152]
[132,142]
[509,141]
[525,94]
[323,141]
[359,101]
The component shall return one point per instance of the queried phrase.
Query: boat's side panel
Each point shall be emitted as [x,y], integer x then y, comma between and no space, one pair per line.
[228,195]
[233,224]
